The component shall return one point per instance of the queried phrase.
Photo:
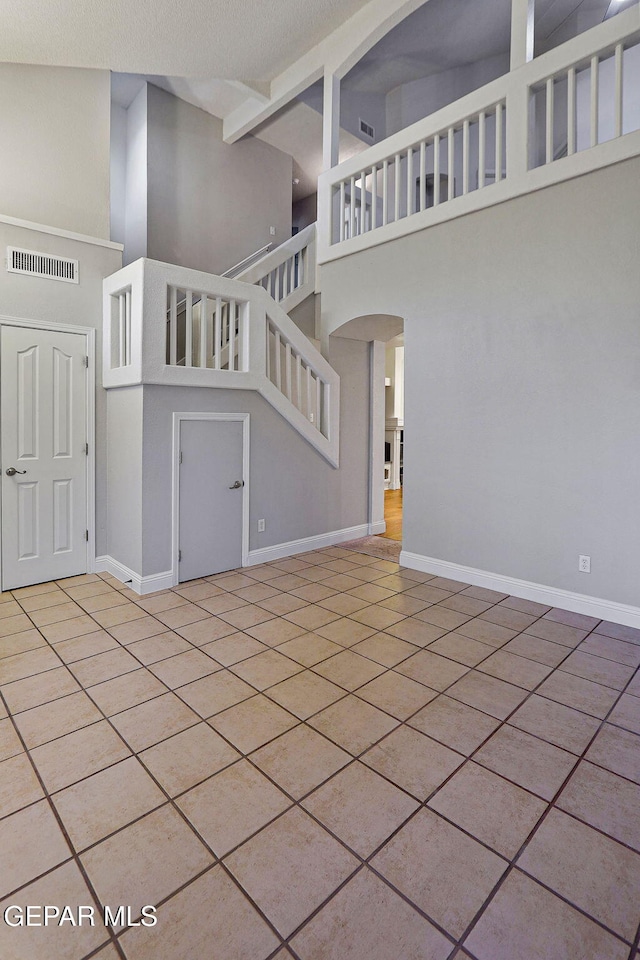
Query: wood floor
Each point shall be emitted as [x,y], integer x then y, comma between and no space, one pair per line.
[393,514]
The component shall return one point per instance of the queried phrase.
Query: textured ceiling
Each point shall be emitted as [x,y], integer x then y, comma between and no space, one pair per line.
[230,39]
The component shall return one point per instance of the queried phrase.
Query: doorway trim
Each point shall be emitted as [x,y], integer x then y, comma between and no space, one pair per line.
[89,334]
[178,418]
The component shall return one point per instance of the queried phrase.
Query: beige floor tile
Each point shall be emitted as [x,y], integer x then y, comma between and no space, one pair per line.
[434,671]
[440,869]
[349,670]
[182,616]
[257,592]
[507,617]
[488,694]
[617,750]
[232,581]
[214,693]
[517,670]
[416,631]
[51,720]
[206,630]
[224,918]
[412,761]
[309,649]
[441,617]
[274,632]
[246,617]
[283,603]
[368,917]
[92,589]
[353,724]
[252,723]
[98,806]
[493,810]
[376,616]
[581,694]
[305,694]
[232,805]
[10,745]
[360,807]
[266,669]
[103,666]
[314,592]
[526,922]
[311,616]
[15,624]
[487,632]
[626,713]
[340,566]
[481,593]
[187,758]
[533,648]
[40,602]
[560,725]
[220,604]
[461,649]
[606,672]
[315,574]
[290,868]
[146,861]
[68,629]
[396,694]
[153,649]
[41,688]
[384,649]
[114,696]
[345,631]
[343,604]
[525,606]
[557,632]
[604,800]
[445,583]
[455,724]
[371,592]
[579,620]
[233,648]
[148,723]
[185,667]
[619,631]
[54,614]
[199,591]
[32,591]
[21,643]
[88,646]
[63,886]
[300,760]
[139,629]
[407,606]
[77,755]
[428,593]
[32,843]
[534,764]
[463,604]
[27,664]
[19,785]
[369,574]
[593,872]
[612,649]
[165,600]
[103,601]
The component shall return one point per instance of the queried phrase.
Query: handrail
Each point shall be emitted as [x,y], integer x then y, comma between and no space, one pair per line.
[287,273]
[232,272]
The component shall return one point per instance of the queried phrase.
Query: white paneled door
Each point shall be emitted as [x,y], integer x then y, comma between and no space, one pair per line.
[43,396]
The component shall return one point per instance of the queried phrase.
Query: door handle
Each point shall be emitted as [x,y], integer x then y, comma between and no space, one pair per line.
[237,485]
[11,471]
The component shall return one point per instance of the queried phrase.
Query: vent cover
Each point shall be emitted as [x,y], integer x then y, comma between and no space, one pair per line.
[41,265]
[366,128]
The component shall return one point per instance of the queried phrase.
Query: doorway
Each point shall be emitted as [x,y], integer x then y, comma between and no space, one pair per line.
[45,400]
[211,493]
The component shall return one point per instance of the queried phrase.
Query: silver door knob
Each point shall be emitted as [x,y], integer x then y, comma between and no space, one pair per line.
[11,471]
[237,485]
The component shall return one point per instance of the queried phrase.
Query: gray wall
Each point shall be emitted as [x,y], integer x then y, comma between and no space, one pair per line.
[54,147]
[124,473]
[292,487]
[210,204]
[522,391]
[305,211]
[118,172]
[136,179]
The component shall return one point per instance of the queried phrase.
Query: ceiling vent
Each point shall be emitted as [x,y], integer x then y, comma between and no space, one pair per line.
[41,265]
[367,129]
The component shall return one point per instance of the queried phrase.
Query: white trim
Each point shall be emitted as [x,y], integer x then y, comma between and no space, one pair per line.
[280,550]
[140,585]
[540,593]
[380,526]
[59,232]
[89,334]
[243,418]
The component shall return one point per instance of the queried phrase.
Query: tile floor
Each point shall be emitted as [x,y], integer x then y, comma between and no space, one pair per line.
[324,757]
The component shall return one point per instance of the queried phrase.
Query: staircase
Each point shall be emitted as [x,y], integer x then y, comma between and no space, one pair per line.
[165,324]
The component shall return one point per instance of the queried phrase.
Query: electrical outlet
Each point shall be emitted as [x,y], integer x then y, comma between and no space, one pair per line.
[261,526]
[311,417]
[584,564]
[272,231]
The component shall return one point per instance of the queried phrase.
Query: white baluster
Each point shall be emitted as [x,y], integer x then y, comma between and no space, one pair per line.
[571,111]
[465,157]
[550,118]
[385,191]
[122,311]
[217,338]
[173,327]
[450,164]
[409,181]
[342,212]
[595,64]
[618,90]
[423,175]
[278,362]
[482,149]
[436,170]
[203,329]
[232,334]
[499,141]
[188,335]
[127,326]
[363,201]
[308,371]
[396,168]
[287,370]
[352,209]
[298,381]
[374,197]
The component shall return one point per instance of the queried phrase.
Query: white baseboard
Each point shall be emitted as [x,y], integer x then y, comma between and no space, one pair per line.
[141,585]
[376,528]
[551,596]
[281,550]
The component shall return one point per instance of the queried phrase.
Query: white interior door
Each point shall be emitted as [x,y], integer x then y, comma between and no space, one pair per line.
[210,497]
[43,401]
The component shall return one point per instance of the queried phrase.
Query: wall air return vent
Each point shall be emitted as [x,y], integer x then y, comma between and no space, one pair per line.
[41,265]
[367,129]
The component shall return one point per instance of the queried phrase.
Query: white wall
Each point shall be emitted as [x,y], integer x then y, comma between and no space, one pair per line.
[54,147]
[118,172]
[124,476]
[136,179]
[210,204]
[522,393]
